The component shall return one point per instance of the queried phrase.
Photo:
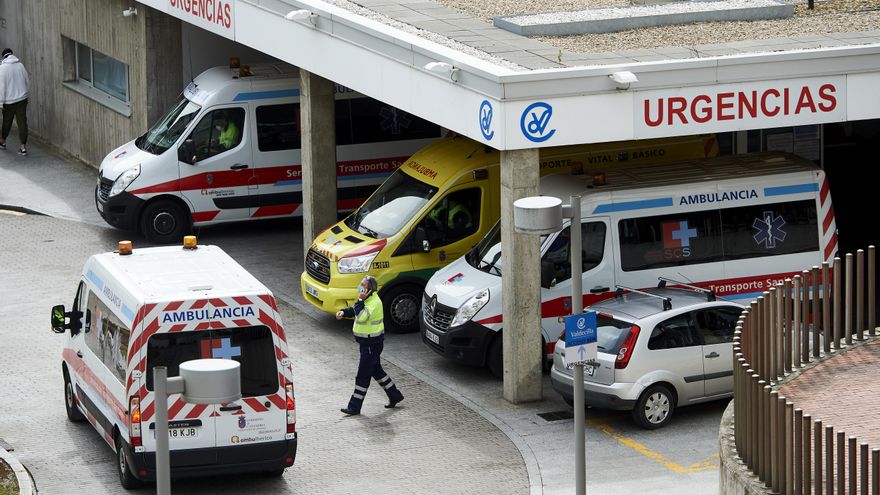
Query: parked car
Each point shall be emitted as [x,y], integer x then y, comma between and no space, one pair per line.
[657,350]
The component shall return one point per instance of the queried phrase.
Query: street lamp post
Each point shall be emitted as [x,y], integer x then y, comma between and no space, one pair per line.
[544,215]
[201,381]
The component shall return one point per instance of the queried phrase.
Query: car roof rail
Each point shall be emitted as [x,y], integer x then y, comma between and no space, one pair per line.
[710,294]
[667,301]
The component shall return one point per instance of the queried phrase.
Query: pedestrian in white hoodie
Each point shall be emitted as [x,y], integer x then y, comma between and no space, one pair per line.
[14,96]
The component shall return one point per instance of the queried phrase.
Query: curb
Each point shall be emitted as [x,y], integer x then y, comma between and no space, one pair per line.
[533,470]
[25,483]
[21,209]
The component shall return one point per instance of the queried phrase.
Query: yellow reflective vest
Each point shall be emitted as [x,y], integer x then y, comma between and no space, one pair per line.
[368,323]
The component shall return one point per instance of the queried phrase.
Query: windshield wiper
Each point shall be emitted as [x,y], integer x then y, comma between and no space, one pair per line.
[369,232]
[491,265]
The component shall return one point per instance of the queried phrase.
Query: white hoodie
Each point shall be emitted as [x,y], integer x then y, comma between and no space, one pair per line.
[13,80]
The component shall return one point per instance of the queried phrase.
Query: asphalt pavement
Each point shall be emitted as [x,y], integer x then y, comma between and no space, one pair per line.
[455,433]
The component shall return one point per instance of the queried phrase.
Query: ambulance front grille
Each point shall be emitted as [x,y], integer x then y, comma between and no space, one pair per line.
[318,266]
[104,188]
[439,316]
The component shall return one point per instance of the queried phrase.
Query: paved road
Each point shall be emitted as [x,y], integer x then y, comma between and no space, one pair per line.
[460,404]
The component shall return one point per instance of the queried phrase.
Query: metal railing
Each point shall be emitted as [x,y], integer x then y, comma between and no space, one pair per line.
[807,319]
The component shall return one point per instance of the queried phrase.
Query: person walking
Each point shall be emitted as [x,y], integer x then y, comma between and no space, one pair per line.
[369,332]
[14,96]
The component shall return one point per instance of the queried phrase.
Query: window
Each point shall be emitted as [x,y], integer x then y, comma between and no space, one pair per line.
[107,337]
[95,70]
[592,250]
[611,333]
[674,332]
[717,325]
[252,347]
[373,122]
[278,127]
[770,230]
[454,218]
[218,131]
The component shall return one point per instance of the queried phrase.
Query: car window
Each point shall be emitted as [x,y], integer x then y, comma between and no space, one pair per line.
[217,132]
[455,217]
[677,331]
[716,325]
[592,250]
[610,333]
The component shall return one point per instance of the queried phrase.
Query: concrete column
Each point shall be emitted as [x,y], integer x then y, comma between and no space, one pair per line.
[318,124]
[521,282]
[164,61]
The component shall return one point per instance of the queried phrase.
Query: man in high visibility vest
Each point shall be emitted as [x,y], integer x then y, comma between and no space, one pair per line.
[369,332]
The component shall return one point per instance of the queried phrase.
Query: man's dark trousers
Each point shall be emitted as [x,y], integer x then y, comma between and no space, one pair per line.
[370,367]
[18,110]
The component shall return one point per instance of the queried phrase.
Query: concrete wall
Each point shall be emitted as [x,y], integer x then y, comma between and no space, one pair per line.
[734,478]
[204,49]
[72,121]
[10,23]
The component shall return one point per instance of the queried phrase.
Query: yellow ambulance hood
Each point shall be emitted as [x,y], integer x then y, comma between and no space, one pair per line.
[340,241]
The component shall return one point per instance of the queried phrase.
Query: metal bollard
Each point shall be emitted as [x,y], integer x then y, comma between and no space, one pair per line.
[817,457]
[789,447]
[863,467]
[853,466]
[762,431]
[767,346]
[774,452]
[847,317]
[837,301]
[771,325]
[796,322]
[768,445]
[815,280]
[829,460]
[780,332]
[754,423]
[738,399]
[875,471]
[757,321]
[798,451]
[780,443]
[872,293]
[860,294]
[841,462]
[786,319]
[826,309]
[805,316]
[808,447]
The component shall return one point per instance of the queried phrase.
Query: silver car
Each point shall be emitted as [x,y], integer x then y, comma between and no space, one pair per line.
[657,350]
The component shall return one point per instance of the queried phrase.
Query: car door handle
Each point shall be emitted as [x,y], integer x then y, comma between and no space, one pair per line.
[239,166]
[79,354]
[599,290]
[712,355]
[234,407]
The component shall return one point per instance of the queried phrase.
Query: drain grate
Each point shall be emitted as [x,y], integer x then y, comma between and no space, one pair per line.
[556,415]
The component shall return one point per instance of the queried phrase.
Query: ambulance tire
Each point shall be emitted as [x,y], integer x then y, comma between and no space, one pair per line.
[126,478]
[402,308]
[73,413]
[165,222]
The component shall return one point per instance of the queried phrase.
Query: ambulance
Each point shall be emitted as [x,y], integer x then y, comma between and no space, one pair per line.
[229,150]
[737,225]
[139,308]
[433,209]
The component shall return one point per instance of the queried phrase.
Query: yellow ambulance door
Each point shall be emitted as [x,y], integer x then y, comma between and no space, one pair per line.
[454,224]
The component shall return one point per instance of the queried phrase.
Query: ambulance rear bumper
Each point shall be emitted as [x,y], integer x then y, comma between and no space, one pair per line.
[268,456]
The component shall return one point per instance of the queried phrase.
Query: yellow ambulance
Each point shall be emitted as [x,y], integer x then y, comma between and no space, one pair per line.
[436,207]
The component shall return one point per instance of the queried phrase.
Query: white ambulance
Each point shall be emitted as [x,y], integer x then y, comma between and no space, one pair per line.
[137,309]
[735,224]
[229,150]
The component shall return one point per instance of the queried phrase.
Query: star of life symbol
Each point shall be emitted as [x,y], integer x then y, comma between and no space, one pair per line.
[393,121]
[769,229]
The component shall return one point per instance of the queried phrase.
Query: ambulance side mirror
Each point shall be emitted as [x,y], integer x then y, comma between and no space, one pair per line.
[58,319]
[187,152]
[422,239]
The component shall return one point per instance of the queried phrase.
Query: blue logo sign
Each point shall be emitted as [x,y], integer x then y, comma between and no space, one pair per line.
[580,329]
[769,229]
[486,120]
[534,120]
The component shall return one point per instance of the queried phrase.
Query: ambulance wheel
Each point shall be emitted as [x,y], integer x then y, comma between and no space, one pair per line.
[164,222]
[402,308]
[73,413]
[126,478]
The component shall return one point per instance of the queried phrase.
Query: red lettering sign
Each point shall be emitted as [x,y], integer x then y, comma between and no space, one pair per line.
[218,12]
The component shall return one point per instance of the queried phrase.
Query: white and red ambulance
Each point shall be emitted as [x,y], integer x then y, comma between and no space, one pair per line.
[229,150]
[137,309]
[735,224]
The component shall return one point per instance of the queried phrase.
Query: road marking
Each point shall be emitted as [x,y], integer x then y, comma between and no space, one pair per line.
[710,463]
[13,213]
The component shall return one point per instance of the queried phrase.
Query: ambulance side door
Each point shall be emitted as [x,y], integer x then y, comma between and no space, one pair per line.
[74,355]
[97,347]
[217,178]
[277,158]
[450,228]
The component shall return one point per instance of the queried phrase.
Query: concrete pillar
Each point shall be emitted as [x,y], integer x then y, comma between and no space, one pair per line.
[521,282]
[318,124]
[164,61]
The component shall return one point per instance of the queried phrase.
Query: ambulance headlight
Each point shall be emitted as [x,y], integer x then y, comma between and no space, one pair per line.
[356,264]
[125,179]
[470,308]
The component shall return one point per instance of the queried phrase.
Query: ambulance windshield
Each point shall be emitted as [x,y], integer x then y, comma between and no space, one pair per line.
[165,133]
[391,206]
[250,346]
[486,255]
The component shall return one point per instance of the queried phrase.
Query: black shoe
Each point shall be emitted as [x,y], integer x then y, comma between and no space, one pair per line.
[350,412]
[22,151]
[392,404]
[3,146]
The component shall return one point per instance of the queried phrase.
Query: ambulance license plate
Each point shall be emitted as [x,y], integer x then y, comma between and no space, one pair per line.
[312,291]
[185,432]
[433,337]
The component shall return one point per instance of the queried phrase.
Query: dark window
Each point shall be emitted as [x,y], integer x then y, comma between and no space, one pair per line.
[610,333]
[770,230]
[670,240]
[251,346]
[218,131]
[592,250]
[373,121]
[674,332]
[454,218]
[278,127]
[717,325]
[107,337]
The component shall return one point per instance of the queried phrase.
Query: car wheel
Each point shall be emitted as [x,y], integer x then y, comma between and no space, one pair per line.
[73,413]
[402,306]
[165,222]
[126,478]
[654,407]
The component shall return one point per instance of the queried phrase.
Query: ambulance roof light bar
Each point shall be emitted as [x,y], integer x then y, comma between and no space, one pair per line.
[710,294]
[667,301]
